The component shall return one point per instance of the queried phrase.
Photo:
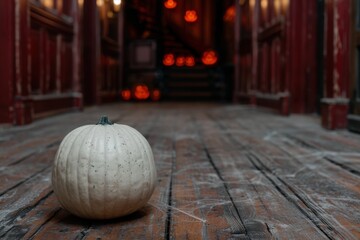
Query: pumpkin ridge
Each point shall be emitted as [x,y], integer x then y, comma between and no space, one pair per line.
[123,133]
[140,139]
[134,134]
[76,194]
[142,157]
[84,136]
[115,207]
[130,132]
[129,137]
[55,171]
[66,167]
[117,144]
[151,163]
[64,187]
[87,198]
[147,160]
[91,160]
[105,173]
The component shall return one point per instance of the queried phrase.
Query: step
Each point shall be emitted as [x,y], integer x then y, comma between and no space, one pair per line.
[187,84]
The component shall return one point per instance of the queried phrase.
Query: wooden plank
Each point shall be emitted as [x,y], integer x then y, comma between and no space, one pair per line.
[224,172]
[27,226]
[338,150]
[16,203]
[266,212]
[201,205]
[30,148]
[12,176]
[315,186]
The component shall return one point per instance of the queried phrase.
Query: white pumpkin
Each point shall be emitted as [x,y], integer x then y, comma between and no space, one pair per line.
[103,171]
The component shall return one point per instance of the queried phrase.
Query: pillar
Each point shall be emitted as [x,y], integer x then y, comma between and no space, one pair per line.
[6,61]
[334,105]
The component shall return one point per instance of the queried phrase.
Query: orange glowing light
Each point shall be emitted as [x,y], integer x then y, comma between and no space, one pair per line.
[126,95]
[230,14]
[190,16]
[190,61]
[99,3]
[209,57]
[277,5]
[141,92]
[252,4]
[180,61]
[48,3]
[156,94]
[170,4]
[264,4]
[285,5]
[117,5]
[169,59]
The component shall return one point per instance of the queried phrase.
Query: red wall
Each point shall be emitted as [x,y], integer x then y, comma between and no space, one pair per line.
[42,68]
[276,57]
[337,64]
[6,60]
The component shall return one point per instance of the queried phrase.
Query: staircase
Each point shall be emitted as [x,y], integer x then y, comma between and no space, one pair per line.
[198,82]
[187,83]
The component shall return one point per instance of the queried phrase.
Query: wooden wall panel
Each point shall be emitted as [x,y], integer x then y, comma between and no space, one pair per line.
[337,64]
[23,113]
[67,63]
[283,36]
[276,66]
[6,60]
[51,64]
[36,49]
[92,48]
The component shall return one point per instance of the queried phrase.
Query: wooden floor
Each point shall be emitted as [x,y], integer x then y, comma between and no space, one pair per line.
[224,172]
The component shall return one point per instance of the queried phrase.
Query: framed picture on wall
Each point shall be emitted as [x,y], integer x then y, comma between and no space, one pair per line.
[143,54]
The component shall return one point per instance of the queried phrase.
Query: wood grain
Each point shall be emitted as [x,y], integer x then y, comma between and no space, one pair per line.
[224,172]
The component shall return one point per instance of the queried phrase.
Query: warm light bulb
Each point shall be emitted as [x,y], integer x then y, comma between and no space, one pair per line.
[252,3]
[277,4]
[285,5]
[117,4]
[264,4]
[230,14]
[48,3]
[99,3]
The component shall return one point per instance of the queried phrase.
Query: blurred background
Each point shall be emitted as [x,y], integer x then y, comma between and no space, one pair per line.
[288,55]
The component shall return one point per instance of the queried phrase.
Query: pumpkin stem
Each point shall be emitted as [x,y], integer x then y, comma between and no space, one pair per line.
[104,120]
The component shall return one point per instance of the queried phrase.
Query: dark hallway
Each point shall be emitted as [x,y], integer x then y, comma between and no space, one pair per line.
[247,112]
[290,56]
